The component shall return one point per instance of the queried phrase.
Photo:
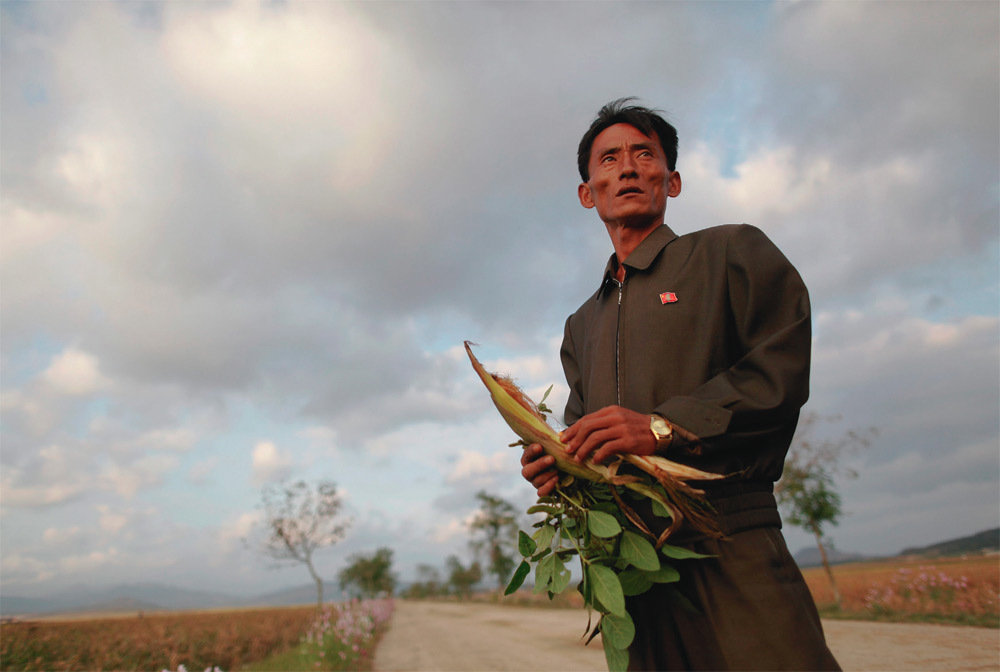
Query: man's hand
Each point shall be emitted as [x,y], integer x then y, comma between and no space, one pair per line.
[539,470]
[609,431]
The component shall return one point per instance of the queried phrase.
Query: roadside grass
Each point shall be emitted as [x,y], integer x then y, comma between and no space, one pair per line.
[342,637]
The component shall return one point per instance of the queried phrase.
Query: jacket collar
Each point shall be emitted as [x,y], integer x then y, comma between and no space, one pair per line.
[641,257]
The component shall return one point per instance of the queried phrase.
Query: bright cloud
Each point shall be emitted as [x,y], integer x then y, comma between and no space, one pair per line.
[270,463]
[74,372]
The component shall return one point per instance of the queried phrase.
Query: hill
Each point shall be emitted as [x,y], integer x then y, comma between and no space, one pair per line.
[810,557]
[157,597]
[979,543]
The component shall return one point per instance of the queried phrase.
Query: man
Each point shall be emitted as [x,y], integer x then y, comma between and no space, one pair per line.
[694,347]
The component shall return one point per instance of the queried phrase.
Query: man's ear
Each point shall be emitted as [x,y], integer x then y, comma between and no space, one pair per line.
[583,191]
[674,184]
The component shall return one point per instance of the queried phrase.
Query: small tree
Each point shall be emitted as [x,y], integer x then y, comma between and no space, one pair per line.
[462,578]
[806,488]
[300,519]
[369,575]
[494,530]
[429,583]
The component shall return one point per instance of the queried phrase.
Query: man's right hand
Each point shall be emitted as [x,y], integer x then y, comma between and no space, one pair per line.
[539,470]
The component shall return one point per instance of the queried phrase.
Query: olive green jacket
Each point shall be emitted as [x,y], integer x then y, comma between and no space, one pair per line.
[712,331]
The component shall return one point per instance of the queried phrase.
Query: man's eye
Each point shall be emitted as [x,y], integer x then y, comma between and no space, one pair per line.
[608,158]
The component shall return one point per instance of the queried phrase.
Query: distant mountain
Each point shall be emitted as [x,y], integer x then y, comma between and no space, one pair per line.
[304,594]
[144,597]
[119,605]
[157,597]
[810,557]
[982,542]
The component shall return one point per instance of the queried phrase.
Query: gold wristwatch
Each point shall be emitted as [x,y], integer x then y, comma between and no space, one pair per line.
[662,431]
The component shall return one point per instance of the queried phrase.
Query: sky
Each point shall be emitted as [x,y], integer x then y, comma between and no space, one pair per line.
[243,242]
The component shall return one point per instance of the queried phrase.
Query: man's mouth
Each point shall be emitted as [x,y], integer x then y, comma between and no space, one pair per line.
[629,190]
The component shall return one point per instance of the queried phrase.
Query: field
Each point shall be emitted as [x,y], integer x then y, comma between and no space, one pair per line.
[951,590]
[945,590]
[199,640]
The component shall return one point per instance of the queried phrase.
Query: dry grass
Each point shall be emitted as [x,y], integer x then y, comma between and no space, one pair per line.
[197,640]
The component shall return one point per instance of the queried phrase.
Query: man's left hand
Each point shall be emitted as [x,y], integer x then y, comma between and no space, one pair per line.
[607,432]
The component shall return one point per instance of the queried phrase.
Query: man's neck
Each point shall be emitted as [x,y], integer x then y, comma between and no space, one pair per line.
[625,239]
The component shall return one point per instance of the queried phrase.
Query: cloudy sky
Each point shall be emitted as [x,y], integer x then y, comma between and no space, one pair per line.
[243,242]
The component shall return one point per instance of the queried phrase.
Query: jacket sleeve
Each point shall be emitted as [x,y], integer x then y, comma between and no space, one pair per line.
[763,390]
[574,403]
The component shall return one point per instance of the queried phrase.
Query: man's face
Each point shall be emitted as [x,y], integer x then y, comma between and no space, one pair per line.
[629,179]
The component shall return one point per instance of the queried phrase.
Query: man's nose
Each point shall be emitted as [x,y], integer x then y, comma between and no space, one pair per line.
[628,167]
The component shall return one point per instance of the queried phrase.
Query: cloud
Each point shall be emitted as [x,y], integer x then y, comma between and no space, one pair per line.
[270,463]
[74,372]
[62,537]
[110,520]
[283,219]
[142,474]
[477,467]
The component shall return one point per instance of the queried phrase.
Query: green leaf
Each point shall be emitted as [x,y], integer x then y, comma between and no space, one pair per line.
[607,507]
[619,631]
[678,553]
[602,524]
[607,588]
[617,659]
[525,544]
[638,551]
[634,582]
[544,508]
[543,573]
[520,574]
[660,510]
[560,576]
[665,574]
[540,554]
[544,536]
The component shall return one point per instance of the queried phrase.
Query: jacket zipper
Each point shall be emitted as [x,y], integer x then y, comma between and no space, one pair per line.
[618,332]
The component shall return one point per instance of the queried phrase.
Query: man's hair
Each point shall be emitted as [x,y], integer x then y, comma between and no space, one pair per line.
[647,121]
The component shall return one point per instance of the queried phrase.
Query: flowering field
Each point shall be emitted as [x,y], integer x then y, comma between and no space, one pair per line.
[958,590]
[193,640]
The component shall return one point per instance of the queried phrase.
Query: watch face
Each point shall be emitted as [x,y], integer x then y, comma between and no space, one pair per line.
[660,426]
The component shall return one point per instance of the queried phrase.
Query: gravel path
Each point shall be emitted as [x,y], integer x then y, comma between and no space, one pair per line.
[442,636]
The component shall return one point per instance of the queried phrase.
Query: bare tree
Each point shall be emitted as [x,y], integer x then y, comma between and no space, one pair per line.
[807,490]
[300,519]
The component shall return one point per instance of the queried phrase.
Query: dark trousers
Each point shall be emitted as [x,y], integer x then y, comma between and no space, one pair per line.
[756,611]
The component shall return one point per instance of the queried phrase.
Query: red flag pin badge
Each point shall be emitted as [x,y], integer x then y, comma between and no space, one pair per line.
[668,297]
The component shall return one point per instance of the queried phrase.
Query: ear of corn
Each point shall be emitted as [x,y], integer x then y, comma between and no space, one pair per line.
[682,500]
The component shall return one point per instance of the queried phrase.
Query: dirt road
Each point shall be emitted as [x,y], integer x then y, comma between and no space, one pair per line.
[425,636]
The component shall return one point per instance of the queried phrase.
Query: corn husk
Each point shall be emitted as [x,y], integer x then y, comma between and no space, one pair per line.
[681,500]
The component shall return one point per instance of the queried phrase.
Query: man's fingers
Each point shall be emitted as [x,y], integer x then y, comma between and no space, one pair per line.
[536,468]
[594,441]
[548,487]
[530,453]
